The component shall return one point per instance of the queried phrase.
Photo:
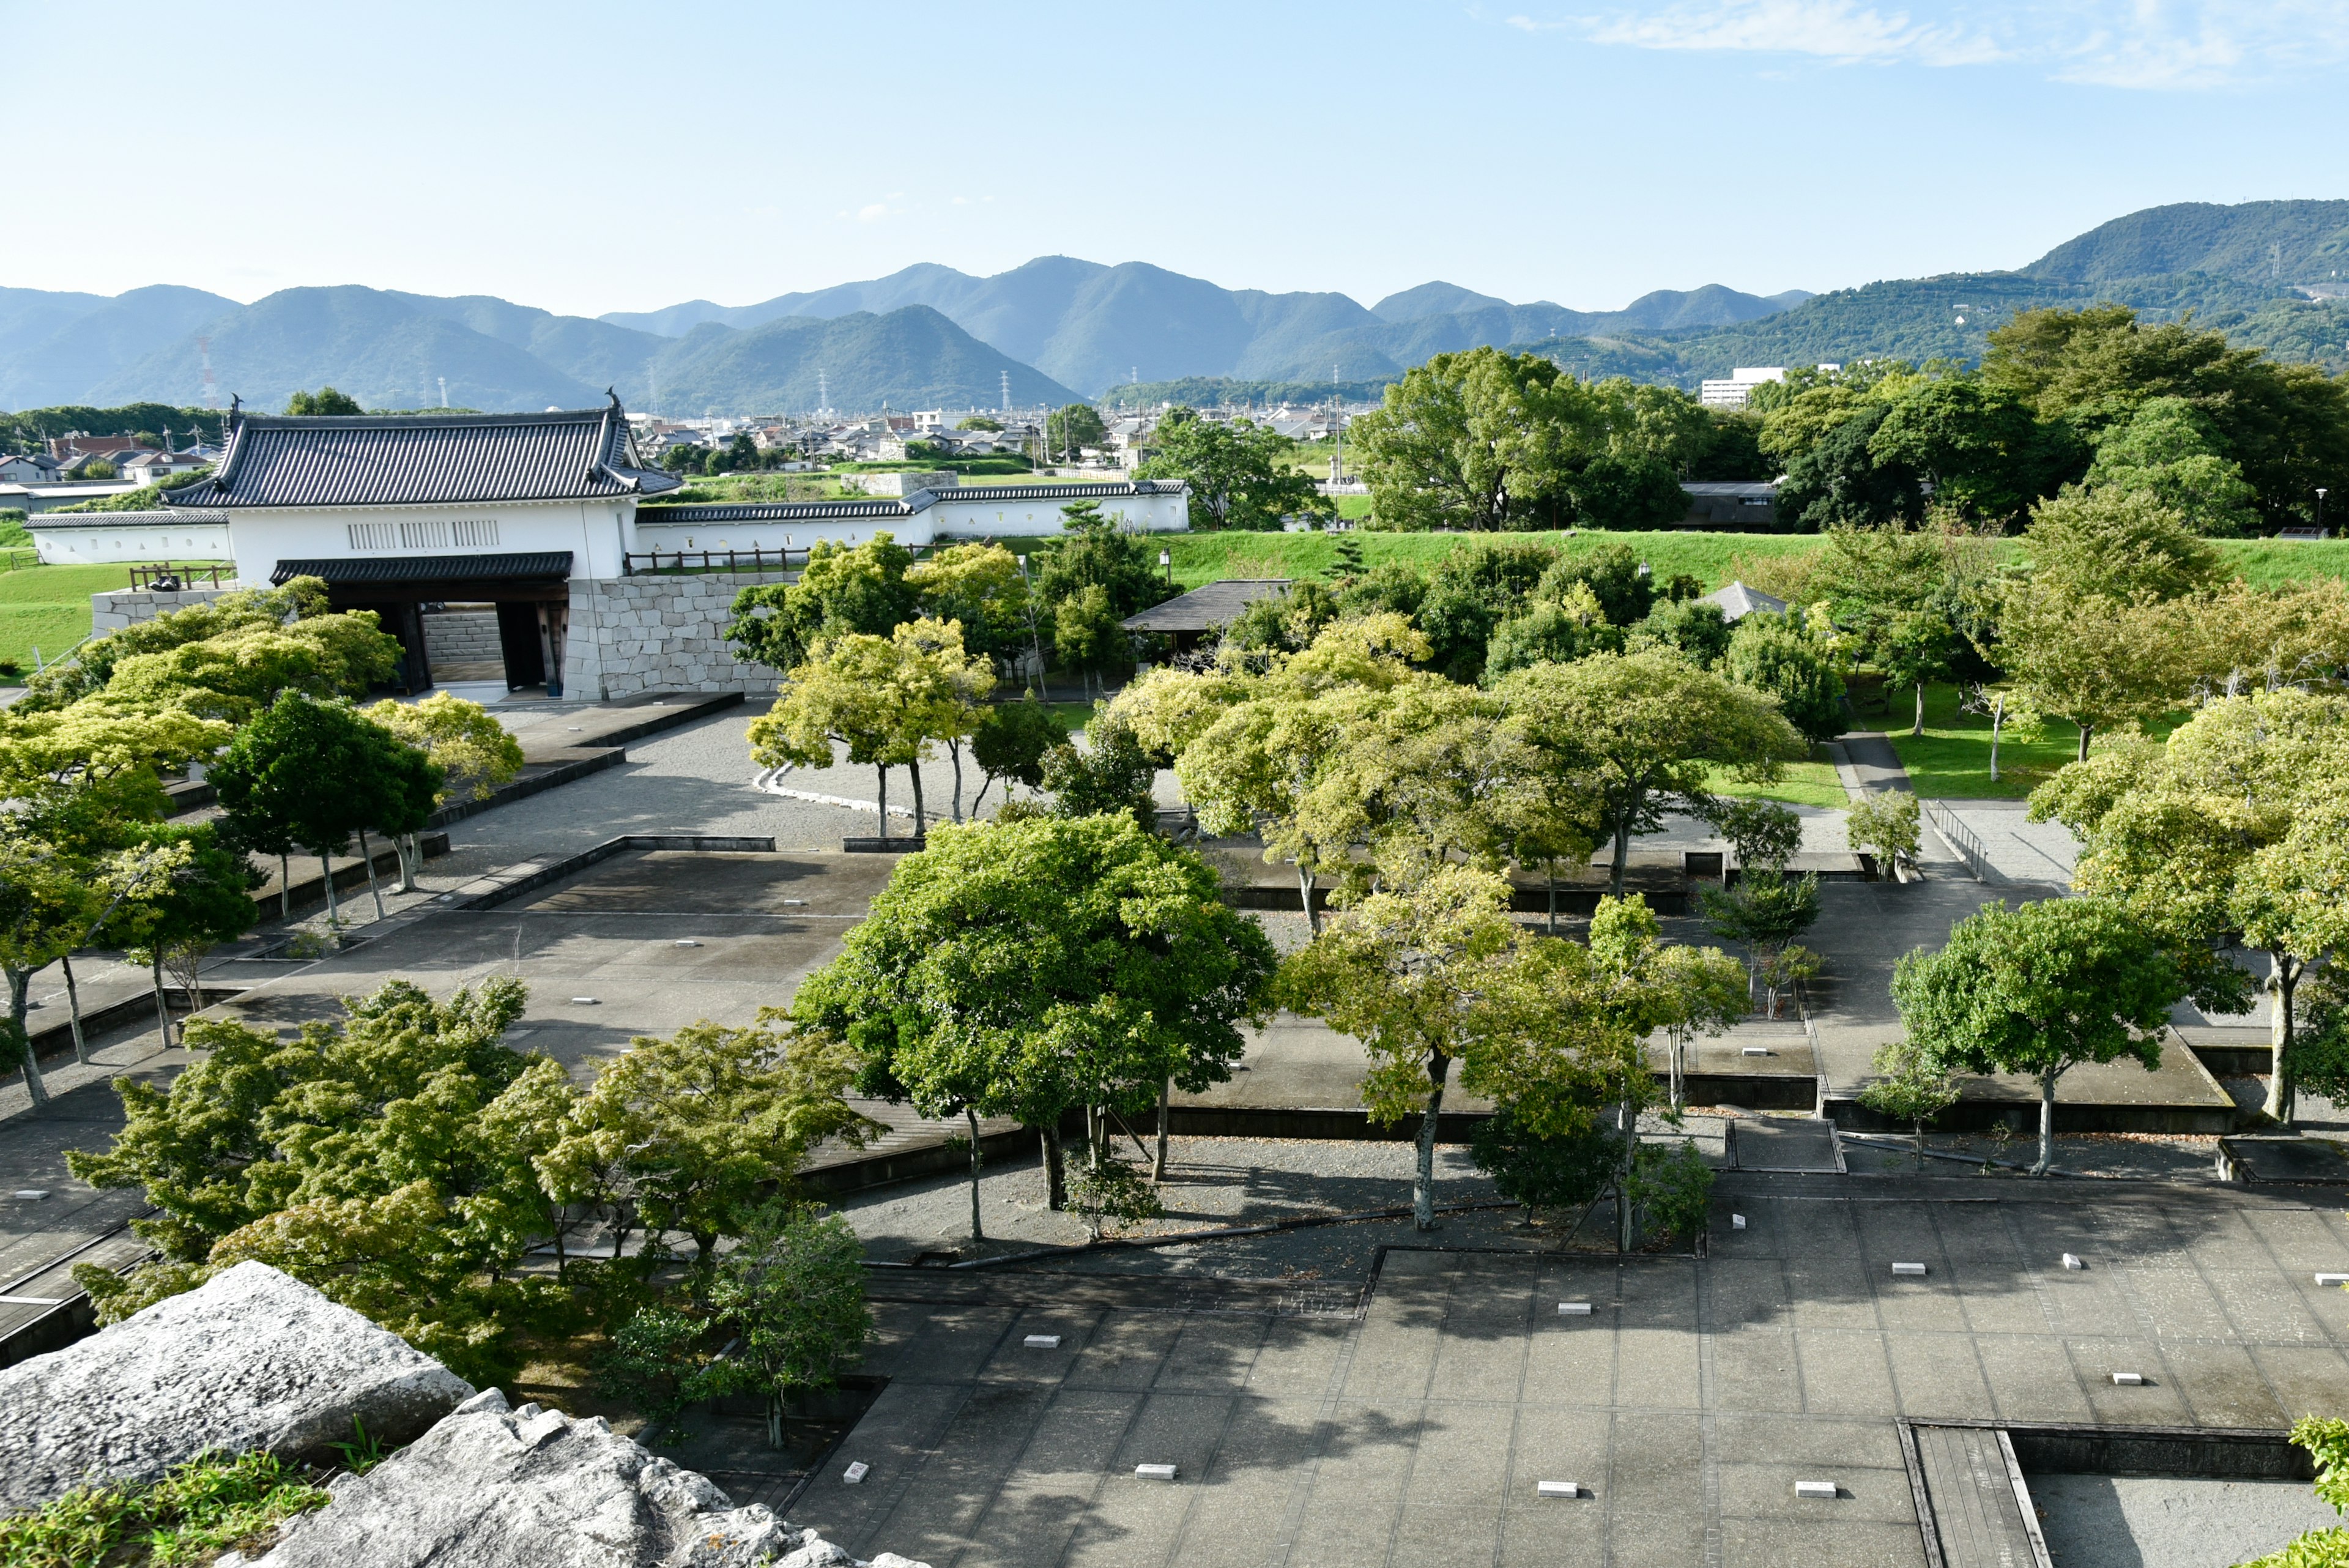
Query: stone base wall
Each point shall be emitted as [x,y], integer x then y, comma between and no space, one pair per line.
[630,635]
[119,607]
[462,637]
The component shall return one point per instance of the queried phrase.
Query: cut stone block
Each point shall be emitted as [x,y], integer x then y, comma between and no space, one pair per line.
[1558,1488]
[584,1001]
[29,1193]
[1819,1489]
[1042,1341]
[2072,1260]
[1574,1309]
[2321,1279]
[1755,1051]
[2129,1379]
[855,1473]
[1737,1222]
[1153,1472]
[1915,1271]
[687,942]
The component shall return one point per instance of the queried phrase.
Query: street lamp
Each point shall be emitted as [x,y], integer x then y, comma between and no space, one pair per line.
[2319,512]
[1166,557]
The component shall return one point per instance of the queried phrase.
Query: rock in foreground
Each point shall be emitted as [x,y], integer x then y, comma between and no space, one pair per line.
[253,1359]
[494,1487]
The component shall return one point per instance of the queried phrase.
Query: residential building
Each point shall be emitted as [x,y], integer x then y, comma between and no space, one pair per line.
[154,467]
[1733,392]
[68,449]
[29,467]
[1730,504]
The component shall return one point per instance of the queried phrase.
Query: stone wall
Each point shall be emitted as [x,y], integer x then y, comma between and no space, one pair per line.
[464,637]
[113,610]
[664,633]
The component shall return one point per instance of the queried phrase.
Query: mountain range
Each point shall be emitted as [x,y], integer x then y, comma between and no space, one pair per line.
[1060,328]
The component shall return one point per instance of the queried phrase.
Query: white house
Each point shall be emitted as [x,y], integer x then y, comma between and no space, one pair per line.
[36,468]
[153,467]
[102,538]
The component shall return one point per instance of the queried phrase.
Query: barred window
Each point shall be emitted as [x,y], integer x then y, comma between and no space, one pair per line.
[475,531]
[430,534]
[373,535]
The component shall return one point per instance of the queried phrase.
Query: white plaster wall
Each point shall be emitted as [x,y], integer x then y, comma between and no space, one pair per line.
[84,545]
[596,533]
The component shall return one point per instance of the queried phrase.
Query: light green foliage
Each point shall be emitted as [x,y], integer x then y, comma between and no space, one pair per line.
[2232,825]
[1236,470]
[1644,729]
[326,402]
[1473,441]
[792,1293]
[1786,657]
[237,673]
[861,589]
[474,753]
[1285,622]
[1168,708]
[1697,632]
[93,664]
[1551,632]
[1884,825]
[355,1157]
[712,1118]
[2170,449]
[2115,543]
[2038,991]
[1438,973]
[2327,1442]
[1912,1087]
[1675,990]
[1764,834]
[1089,637]
[1112,1192]
[980,586]
[191,1515]
[1671,1188]
[1027,967]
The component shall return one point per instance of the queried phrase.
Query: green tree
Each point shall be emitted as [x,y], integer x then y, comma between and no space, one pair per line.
[177,917]
[1910,1087]
[1648,729]
[2327,1442]
[2170,449]
[475,755]
[325,401]
[1473,590]
[1094,553]
[980,585]
[1627,490]
[1071,430]
[1236,470]
[92,666]
[1476,441]
[1550,632]
[1030,967]
[884,698]
[1090,637]
[861,589]
[1110,775]
[2038,991]
[1884,825]
[1978,446]
[1696,631]
[793,1291]
[1840,482]
[1765,909]
[1010,742]
[2122,545]
[1786,657]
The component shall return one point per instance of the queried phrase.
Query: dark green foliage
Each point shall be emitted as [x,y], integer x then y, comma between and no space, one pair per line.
[1012,739]
[324,402]
[1545,1172]
[26,431]
[1764,834]
[1978,447]
[1734,451]
[1068,431]
[1764,909]
[844,589]
[1671,1188]
[661,1360]
[1396,587]
[1234,470]
[1545,634]
[2320,1046]
[1111,776]
[1095,554]
[1473,590]
[1614,576]
[1777,654]
[1841,481]
[1285,622]
[317,773]
[1698,631]
[792,1293]
[1627,492]
[197,1511]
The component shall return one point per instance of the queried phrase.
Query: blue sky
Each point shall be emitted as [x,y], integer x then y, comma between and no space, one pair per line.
[588,158]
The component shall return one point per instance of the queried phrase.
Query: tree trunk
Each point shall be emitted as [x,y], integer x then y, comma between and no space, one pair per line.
[162,1008]
[326,871]
[1553,896]
[775,1420]
[1623,855]
[1422,1195]
[1918,727]
[1628,1120]
[1918,1129]
[410,852]
[73,1012]
[19,981]
[2046,1124]
[977,1229]
[1055,1168]
[2283,980]
[1166,1095]
[914,770]
[367,858]
[1997,722]
[2085,730]
[883,769]
[954,753]
[284,888]
[1305,880]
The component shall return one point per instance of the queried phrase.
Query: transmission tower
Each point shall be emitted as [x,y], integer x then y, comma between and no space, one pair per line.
[1005,406]
[212,387]
[823,395]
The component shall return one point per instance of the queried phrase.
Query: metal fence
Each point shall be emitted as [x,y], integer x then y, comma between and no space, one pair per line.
[1959,838]
[636,566]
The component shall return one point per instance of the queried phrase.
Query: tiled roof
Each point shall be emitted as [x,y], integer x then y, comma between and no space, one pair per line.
[1074,491]
[582,454]
[428,569]
[1206,607]
[782,511]
[43,519]
[1737,601]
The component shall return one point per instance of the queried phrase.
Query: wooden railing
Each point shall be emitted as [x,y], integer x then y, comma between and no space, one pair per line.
[754,560]
[170,579]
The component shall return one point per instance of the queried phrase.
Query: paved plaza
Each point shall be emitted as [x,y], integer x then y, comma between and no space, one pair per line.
[1685,1406]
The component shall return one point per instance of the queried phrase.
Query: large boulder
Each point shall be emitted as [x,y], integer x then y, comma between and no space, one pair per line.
[253,1359]
[495,1487]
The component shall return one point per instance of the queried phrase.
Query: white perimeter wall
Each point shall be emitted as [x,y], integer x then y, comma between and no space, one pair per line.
[85,546]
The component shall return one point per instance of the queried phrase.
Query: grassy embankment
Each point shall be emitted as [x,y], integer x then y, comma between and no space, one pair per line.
[48,608]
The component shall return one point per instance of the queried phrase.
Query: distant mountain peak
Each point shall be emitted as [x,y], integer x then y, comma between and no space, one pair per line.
[1433,299]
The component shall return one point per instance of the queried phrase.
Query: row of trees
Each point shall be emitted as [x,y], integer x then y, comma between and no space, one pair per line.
[2093,399]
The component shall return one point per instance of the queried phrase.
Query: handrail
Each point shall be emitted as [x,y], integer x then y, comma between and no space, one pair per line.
[710,560]
[1960,839]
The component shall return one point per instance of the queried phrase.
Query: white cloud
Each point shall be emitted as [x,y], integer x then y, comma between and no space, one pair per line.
[2136,43]
[873,213]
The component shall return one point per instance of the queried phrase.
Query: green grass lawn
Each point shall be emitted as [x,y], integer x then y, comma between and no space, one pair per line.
[1205,557]
[1951,760]
[48,608]
[1811,782]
